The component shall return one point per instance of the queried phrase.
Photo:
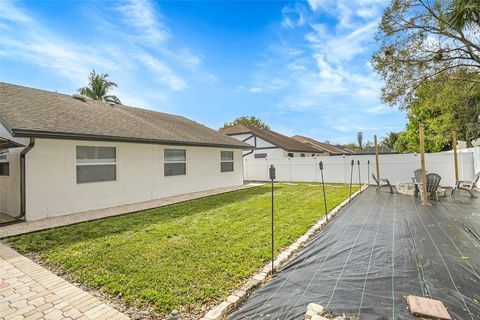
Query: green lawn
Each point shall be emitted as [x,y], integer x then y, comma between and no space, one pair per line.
[183,255]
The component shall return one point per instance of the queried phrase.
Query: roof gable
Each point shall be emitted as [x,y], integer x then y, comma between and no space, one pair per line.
[275,138]
[323,145]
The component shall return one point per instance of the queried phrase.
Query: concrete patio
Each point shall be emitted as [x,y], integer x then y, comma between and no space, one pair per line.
[29,291]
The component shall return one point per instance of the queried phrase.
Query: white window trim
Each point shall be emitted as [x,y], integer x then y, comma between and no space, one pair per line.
[102,163]
[224,161]
[165,161]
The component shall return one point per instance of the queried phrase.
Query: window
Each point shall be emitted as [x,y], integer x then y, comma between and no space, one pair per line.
[290,155]
[226,161]
[96,164]
[260,155]
[302,155]
[313,154]
[175,162]
[4,169]
[4,165]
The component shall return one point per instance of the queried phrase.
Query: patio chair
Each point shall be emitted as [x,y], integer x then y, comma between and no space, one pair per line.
[417,180]
[433,181]
[382,183]
[417,176]
[467,185]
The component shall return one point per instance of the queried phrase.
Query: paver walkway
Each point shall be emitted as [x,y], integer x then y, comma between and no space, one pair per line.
[29,291]
[53,222]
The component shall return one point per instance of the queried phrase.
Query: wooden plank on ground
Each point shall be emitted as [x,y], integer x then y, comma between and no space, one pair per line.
[424,307]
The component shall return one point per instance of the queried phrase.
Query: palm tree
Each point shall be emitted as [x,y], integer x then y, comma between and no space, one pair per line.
[360,140]
[463,13]
[390,140]
[98,88]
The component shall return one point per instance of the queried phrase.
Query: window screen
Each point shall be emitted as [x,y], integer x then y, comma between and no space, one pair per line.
[290,155]
[4,168]
[96,164]
[302,155]
[226,161]
[175,162]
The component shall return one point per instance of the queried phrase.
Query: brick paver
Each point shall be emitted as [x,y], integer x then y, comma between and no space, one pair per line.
[53,222]
[29,291]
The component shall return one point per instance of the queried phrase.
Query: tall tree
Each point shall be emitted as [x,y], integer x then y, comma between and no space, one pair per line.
[98,88]
[464,14]
[360,140]
[443,105]
[421,39]
[390,140]
[247,120]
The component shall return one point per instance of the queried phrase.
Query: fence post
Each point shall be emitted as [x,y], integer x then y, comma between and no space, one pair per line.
[272,178]
[359,176]
[351,177]
[320,165]
[455,155]
[422,156]
[368,172]
[376,156]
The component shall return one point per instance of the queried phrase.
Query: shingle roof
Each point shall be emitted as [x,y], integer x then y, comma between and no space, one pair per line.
[33,112]
[284,142]
[321,145]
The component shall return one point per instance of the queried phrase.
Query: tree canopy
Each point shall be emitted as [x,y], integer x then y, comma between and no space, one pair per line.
[444,106]
[390,140]
[247,120]
[98,88]
[422,39]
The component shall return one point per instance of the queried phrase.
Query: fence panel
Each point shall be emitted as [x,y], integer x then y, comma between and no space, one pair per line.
[395,167]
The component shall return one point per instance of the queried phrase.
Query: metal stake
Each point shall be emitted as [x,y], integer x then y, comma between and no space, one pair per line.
[368,171]
[272,178]
[323,187]
[359,176]
[351,177]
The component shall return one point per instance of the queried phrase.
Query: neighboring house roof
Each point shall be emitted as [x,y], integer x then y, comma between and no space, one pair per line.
[371,150]
[6,144]
[326,147]
[346,150]
[275,138]
[28,112]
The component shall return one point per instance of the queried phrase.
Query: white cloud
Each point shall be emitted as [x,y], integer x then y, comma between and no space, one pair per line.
[162,72]
[147,46]
[142,16]
[256,90]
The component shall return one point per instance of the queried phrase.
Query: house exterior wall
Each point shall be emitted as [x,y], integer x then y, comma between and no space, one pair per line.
[10,185]
[52,189]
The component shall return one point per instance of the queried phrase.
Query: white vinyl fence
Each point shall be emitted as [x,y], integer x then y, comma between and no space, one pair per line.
[395,167]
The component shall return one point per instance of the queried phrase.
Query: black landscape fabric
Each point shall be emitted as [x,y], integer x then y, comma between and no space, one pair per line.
[379,249]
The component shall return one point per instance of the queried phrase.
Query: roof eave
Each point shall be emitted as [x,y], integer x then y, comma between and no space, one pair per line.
[22,133]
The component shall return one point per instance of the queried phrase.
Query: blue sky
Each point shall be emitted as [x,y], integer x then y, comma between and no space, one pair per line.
[302,67]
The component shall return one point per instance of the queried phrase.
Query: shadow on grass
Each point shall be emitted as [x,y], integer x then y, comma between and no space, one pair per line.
[132,222]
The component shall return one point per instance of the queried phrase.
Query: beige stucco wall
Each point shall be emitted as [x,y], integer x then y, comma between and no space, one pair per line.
[10,185]
[51,176]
